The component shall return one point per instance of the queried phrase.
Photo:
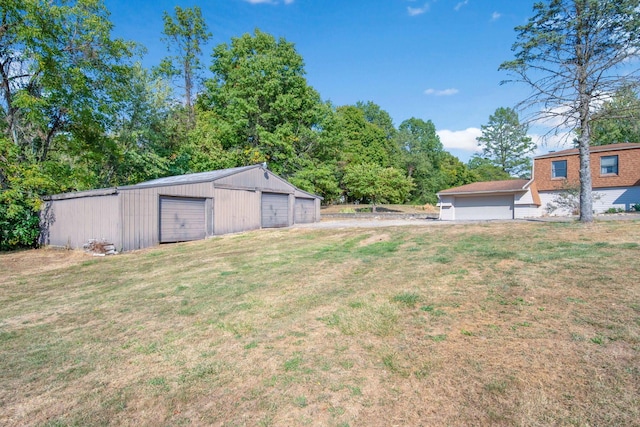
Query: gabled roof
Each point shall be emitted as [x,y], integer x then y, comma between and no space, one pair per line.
[592,149]
[507,186]
[193,178]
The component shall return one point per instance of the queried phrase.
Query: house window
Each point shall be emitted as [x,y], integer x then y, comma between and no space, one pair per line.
[559,169]
[609,165]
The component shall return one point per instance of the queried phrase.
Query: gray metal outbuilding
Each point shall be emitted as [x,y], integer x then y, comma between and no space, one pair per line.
[179,208]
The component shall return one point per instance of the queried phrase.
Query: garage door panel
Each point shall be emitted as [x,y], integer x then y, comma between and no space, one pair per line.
[305,211]
[182,219]
[486,207]
[275,210]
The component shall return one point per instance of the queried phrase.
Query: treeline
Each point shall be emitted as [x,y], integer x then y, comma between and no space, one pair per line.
[79,112]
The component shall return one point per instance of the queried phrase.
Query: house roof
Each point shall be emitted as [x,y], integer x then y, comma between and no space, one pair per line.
[193,178]
[592,149]
[507,186]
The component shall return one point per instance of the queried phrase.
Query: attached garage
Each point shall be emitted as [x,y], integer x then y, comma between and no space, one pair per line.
[515,198]
[176,209]
[484,207]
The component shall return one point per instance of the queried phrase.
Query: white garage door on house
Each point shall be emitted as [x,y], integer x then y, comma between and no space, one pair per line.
[304,211]
[485,207]
[275,210]
[182,219]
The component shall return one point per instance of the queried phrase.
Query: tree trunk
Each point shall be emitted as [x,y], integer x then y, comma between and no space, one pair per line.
[585,96]
[586,196]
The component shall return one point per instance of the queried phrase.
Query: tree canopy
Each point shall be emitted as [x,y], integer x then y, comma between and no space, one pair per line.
[618,119]
[505,143]
[184,33]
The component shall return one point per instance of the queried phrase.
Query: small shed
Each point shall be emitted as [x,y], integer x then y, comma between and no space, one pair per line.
[179,208]
[510,199]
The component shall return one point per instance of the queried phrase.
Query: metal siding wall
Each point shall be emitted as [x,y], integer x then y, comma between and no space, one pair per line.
[72,222]
[255,178]
[235,210]
[141,210]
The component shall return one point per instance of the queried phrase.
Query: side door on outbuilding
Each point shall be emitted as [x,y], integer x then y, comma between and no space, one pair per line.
[484,207]
[182,219]
[275,210]
[304,211]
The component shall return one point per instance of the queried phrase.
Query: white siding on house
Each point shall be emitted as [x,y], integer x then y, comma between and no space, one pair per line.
[446,208]
[526,211]
[619,198]
[603,199]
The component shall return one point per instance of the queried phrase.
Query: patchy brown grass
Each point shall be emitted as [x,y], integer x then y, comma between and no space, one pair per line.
[524,324]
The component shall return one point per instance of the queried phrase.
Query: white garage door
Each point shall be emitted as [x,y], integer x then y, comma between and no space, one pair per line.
[182,219]
[305,211]
[275,210]
[485,207]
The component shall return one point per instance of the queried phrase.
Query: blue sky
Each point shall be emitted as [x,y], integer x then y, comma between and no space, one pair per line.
[431,59]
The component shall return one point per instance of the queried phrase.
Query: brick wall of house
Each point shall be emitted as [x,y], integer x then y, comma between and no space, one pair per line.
[628,171]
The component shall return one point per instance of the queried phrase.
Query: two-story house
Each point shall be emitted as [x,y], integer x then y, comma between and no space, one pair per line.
[615,174]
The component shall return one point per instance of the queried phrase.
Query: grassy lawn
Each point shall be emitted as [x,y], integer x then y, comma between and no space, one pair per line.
[529,324]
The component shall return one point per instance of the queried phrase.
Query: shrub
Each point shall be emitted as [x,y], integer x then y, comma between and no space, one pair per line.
[614,210]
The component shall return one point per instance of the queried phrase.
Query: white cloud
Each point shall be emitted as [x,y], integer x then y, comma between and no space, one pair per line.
[415,11]
[444,92]
[552,142]
[461,5]
[495,16]
[460,139]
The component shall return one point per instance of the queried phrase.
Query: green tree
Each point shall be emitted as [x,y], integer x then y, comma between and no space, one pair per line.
[364,141]
[573,53]
[370,182]
[505,143]
[485,170]
[184,34]
[618,120]
[374,114]
[422,154]
[454,173]
[262,106]
[322,179]
[62,82]
[63,77]
[141,137]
